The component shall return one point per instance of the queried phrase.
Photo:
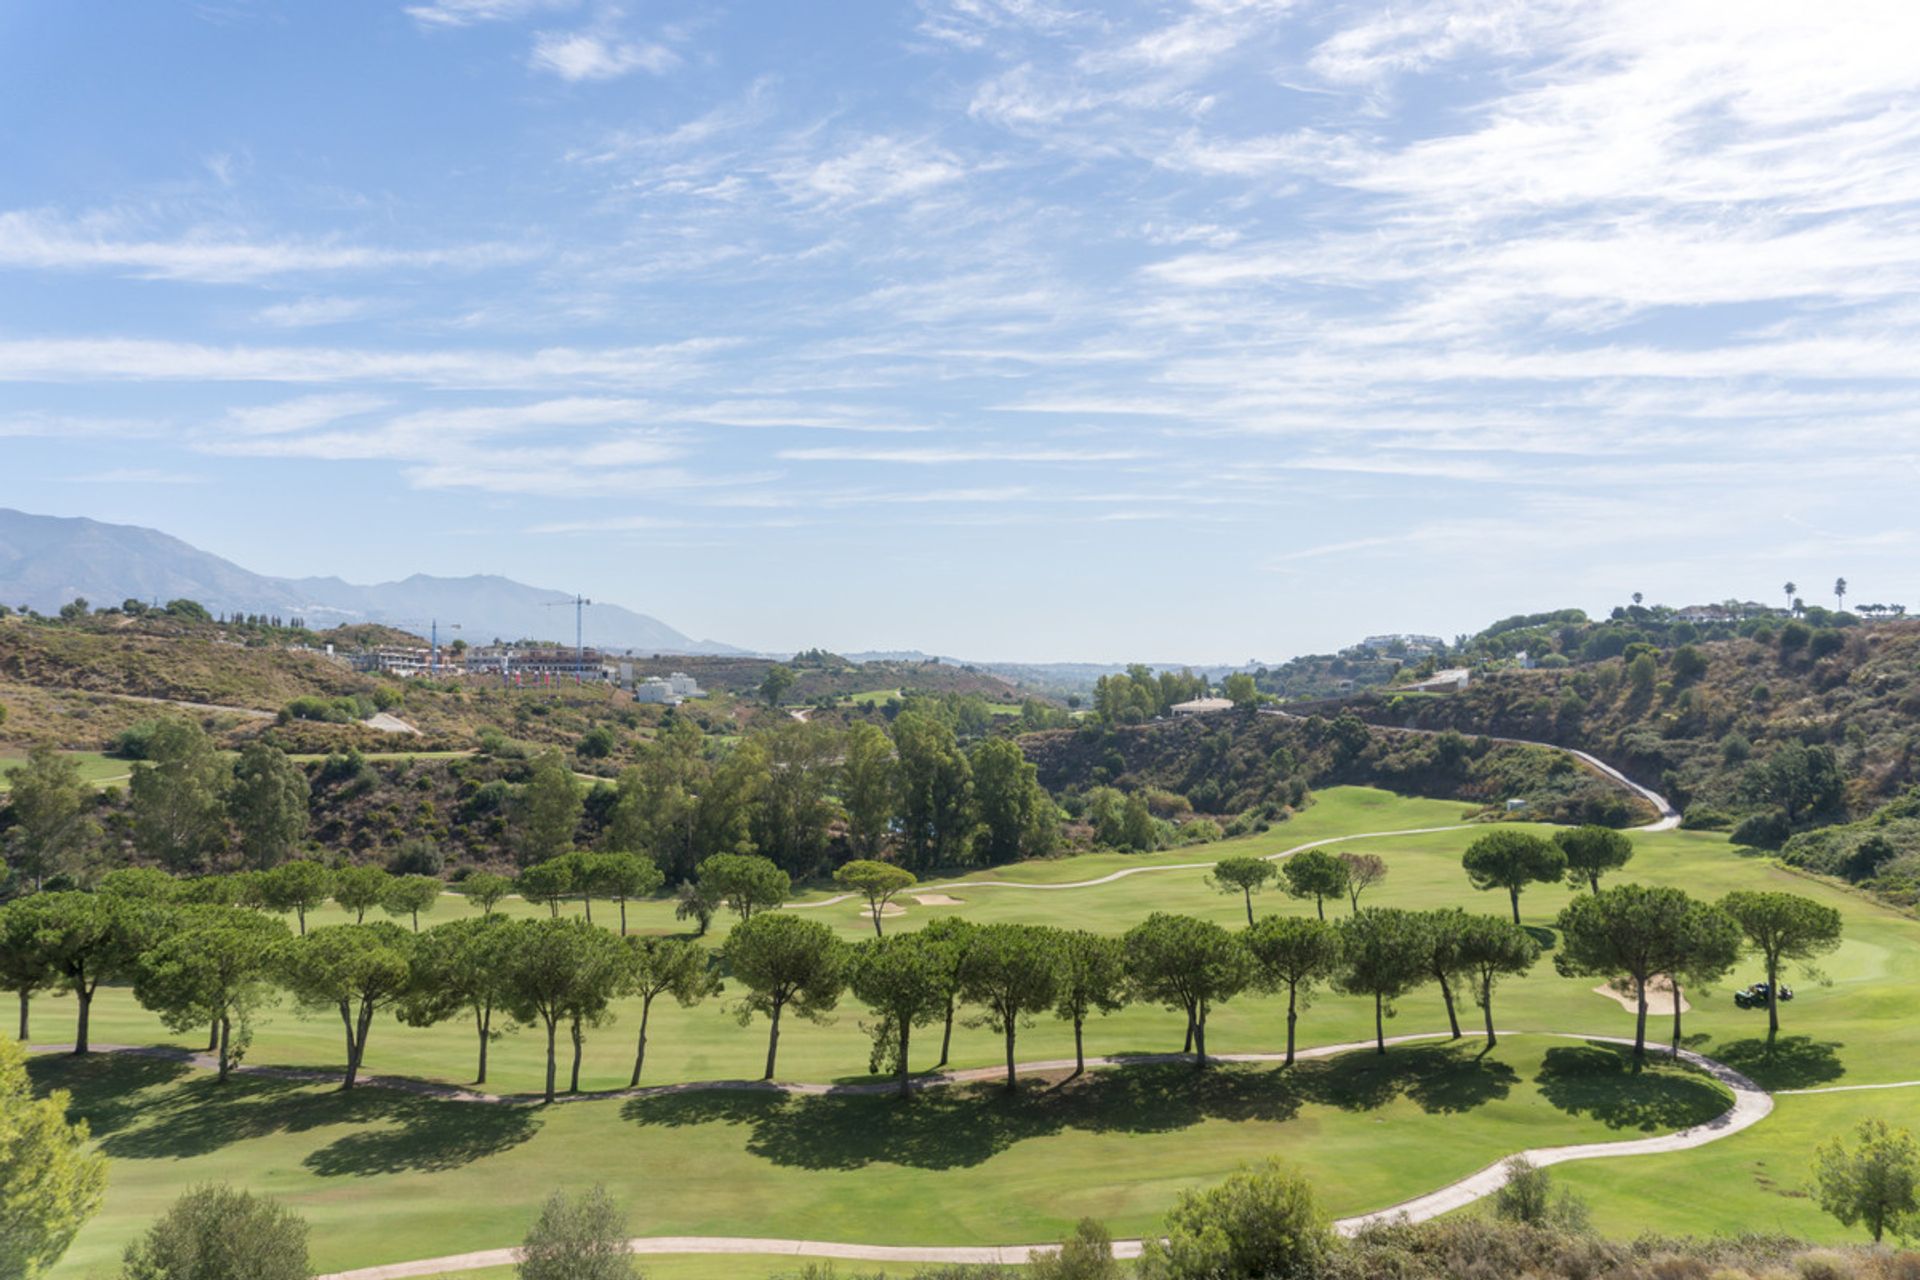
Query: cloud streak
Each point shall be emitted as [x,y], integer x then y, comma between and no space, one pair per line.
[43,241]
[1354,293]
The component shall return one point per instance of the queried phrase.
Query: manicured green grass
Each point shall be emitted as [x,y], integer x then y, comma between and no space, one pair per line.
[1755,1181]
[717,1163]
[696,1266]
[96,768]
[1341,811]
[385,1176]
[1859,1029]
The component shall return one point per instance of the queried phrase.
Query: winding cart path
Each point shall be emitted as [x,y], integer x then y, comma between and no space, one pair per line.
[1751,1104]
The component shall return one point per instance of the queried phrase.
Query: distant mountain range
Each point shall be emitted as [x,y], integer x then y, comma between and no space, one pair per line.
[45,561]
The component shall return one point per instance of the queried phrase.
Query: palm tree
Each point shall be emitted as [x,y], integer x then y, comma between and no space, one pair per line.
[1790,588]
[1839,594]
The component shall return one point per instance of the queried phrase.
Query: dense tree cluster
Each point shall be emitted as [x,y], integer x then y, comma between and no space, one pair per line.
[201,952]
[804,796]
[1139,694]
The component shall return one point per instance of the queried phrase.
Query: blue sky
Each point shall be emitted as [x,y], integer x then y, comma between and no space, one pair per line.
[1003,328]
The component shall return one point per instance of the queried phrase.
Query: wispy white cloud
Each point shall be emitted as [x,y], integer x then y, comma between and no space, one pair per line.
[30,425]
[586,55]
[876,169]
[607,524]
[751,108]
[1415,38]
[300,414]
[771,415]
[42,240]
[1303,276]
[302,313]
[465,13]
[975,24]
[935,455]
[155,360]
[141,476]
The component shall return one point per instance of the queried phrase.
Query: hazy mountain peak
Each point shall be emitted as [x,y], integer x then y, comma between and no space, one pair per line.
[46,561]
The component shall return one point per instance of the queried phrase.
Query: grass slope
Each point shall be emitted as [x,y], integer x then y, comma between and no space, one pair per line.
[1020,1170]
[1859,1029]
[96,768]
[384,1176]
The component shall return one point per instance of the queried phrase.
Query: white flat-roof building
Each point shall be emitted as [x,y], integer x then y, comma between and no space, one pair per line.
[1411,643]
[538,664]
[669,690]
[398,660]
[1202,706]
[1450,681]
[656,689]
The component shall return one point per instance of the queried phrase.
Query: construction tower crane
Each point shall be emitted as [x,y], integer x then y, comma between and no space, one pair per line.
[433,632]
[579,605]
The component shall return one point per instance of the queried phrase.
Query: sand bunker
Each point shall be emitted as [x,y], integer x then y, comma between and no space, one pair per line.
[1659,996]
[935,900]
[891,909]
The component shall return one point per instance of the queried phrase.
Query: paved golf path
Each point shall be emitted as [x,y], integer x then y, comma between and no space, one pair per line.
[1751,1104]
[945,885]
[1669,816]
[1668,820]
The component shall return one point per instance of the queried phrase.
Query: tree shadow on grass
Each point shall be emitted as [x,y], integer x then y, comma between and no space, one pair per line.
[961,1126]
[109,1091]
[199,1115]
[702,1106]
[392,1131]
[1790,1062]
[1598,1080]
[1168,1096]
[1547,938]
[1437,1078]
[426,1135]
[953,1128]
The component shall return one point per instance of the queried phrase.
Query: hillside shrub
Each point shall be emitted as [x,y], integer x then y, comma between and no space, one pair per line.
[1701,817]
[344,767]
[1243,824]
[1826,642]
[341,710]
[1768,829]
[417,857]
[132,742]
[1687,665]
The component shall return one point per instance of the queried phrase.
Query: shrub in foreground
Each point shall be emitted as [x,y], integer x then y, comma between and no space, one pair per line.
[1527,1197]
[214,1232]
[1260,1224]
[50,1182]
[577,1238]
[1087,1254]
